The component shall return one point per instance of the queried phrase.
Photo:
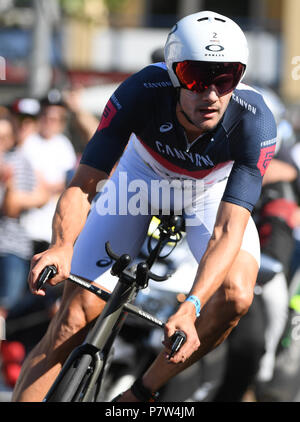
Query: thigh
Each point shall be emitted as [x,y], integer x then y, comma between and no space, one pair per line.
[241,278]
[201,226]
[126,234]
[109,220]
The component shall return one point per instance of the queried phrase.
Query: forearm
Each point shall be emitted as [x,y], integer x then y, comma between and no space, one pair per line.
[73,206]
[213,268]
[69,218]
[221,252]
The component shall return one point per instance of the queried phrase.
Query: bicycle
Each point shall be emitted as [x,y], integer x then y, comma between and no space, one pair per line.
[81,377]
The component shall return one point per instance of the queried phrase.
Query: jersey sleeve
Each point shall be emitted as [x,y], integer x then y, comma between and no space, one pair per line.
[123,114]
[253,148]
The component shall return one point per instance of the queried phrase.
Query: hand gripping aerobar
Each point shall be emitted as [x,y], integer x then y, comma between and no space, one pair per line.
[142,274]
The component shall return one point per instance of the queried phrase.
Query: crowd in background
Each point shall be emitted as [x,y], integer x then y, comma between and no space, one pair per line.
[38,155]
[37,158]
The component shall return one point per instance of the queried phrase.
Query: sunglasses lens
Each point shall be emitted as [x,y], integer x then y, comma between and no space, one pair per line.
[198,76]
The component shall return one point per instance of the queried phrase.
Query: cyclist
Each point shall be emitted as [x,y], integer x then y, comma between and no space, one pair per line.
[189,120]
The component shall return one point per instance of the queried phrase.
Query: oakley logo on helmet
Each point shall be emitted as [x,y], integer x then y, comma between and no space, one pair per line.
[215,48]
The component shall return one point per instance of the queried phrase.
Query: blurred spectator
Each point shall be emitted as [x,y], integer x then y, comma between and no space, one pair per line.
[25,111]
[52,155]
[158,55]
[4,112]
[15,247]
[84,122]
[18,193]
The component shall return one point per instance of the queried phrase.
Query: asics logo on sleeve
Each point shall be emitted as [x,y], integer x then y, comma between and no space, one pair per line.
[166,127]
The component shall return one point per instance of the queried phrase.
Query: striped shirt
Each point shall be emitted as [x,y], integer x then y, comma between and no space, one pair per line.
[13,237]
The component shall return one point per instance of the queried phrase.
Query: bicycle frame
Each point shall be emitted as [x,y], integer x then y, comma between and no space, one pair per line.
[96,348]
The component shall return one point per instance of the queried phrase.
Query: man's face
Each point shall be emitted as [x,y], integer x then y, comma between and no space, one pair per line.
[204,109]
[52,121]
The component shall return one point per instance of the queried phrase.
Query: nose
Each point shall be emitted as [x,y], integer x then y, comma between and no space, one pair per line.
[211,94]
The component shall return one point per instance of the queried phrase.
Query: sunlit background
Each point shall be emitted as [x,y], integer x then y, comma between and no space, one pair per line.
[97,43]
[83,49]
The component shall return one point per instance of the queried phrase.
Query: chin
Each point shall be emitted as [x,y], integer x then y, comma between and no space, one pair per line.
[207,126]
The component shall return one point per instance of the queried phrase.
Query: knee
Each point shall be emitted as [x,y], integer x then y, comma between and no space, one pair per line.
[67,322]
[74,316]
[238,295]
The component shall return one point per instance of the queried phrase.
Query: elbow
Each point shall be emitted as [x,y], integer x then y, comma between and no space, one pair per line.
[229,231]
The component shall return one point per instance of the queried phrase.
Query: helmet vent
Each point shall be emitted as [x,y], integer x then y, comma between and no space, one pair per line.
[221,20]
[202,19]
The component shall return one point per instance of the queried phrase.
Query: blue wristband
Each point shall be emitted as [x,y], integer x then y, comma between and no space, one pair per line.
[195,300]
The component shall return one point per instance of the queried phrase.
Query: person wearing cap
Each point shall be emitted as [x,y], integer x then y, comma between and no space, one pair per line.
[25,112]
[191,124]
[52,155]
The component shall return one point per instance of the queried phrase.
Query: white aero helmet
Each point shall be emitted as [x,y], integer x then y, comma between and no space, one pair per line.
[205,37]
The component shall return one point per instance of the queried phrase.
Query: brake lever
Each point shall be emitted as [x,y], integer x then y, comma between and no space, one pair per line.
[48,272]
[177,339]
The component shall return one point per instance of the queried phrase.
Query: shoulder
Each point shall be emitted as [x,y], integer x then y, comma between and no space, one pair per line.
[31,141]
[257,117]
[156,76]
[150,80]
[62,139]
[250,124]
[153,76]
[140,94]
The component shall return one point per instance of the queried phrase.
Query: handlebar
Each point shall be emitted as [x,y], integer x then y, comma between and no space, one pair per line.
[48,272]
[177,339]
[142,269]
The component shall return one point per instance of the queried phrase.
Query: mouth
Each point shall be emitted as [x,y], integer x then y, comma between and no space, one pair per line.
[207,112]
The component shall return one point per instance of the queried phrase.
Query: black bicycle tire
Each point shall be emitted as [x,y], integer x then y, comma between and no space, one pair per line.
[70,380]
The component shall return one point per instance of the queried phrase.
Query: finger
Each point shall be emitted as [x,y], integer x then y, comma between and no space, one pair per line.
[186,351]
[61,275]
[32,288]
[169,331]
[37,266]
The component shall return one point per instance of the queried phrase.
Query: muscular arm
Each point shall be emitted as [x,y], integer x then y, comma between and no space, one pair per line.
[222,249]
[69,219]
[74,205]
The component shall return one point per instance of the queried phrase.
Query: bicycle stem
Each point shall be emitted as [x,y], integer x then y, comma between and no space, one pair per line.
[128,307]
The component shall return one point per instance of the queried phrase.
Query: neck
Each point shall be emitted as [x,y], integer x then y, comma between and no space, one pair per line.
[192,132]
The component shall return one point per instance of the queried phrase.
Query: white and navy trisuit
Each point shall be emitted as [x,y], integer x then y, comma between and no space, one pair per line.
[228,163]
